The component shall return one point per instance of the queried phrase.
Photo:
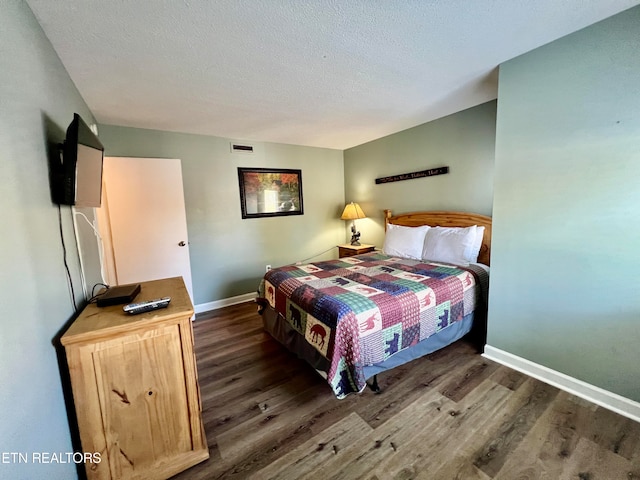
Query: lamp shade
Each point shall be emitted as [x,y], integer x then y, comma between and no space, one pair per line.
[352,212]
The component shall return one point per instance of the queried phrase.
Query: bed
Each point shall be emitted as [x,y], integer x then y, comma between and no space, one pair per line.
[356,317]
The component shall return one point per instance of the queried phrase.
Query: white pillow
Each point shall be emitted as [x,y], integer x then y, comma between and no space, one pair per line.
[406,242]
[449,244]
[477,245]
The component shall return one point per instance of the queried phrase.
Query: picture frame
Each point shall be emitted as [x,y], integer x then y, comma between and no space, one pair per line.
[270,192]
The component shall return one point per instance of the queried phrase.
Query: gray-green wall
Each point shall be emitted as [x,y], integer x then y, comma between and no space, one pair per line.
[464,141]
[565,289]
[229,254]
[37,102]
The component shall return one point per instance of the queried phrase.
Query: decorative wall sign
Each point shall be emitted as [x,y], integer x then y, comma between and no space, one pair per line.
[270,192]
[408,176]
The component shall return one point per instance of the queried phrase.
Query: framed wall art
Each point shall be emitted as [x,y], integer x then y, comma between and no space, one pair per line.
[270,192]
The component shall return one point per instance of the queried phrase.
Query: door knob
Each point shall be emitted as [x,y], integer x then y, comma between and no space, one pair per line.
[182,244]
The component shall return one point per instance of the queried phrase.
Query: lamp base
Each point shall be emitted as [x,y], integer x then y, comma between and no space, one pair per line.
[355,238]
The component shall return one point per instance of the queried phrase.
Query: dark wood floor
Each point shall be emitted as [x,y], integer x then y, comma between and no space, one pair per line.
[450,415]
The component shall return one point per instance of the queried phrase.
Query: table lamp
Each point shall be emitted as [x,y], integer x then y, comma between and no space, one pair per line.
[352,211]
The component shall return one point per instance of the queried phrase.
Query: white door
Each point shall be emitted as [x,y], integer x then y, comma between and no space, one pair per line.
[144,200]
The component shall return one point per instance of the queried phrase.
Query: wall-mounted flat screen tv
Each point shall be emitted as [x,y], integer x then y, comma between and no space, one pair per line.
[79,178]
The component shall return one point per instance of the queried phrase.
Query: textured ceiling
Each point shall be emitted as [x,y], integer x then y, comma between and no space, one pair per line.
[323,73]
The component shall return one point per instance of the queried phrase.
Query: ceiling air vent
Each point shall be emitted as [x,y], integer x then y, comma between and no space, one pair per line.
[238,148]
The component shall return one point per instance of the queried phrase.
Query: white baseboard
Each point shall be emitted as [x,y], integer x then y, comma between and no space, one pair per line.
[225,302]
[597,395]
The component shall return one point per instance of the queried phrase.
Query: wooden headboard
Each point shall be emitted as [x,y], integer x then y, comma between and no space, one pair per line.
[447,219]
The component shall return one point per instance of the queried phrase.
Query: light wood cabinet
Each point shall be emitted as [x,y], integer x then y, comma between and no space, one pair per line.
[135,386]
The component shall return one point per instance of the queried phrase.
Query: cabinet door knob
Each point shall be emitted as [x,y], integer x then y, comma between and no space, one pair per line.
[182,244]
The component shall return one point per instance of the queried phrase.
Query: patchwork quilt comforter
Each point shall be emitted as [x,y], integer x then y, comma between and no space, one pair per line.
[360,310]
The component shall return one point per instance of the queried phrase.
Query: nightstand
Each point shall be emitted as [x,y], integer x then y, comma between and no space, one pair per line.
[348,250]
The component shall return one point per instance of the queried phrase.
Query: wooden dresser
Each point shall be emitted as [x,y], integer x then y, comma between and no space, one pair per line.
[135,386]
